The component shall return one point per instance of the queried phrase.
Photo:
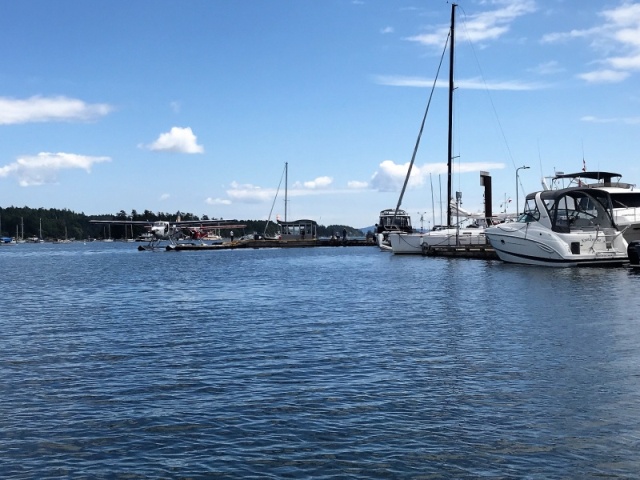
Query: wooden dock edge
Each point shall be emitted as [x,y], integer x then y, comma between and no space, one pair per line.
[484,252]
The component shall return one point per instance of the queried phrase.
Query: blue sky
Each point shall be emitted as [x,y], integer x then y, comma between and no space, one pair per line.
[195,106]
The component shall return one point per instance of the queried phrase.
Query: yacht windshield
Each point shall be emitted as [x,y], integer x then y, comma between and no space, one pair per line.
[530,212]
[580,210]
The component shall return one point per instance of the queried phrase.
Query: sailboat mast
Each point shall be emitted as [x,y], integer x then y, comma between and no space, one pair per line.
[450,139]
[286,182]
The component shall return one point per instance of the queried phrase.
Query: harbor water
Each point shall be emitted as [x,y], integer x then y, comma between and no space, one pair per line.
[313,363]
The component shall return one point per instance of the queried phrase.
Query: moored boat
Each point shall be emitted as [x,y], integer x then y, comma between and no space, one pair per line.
[562,228]
[419,243]
[7,241]
[453,233]
[391,220]
[624,197]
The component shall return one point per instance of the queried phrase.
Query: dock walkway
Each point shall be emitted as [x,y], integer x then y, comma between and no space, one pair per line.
[466,251]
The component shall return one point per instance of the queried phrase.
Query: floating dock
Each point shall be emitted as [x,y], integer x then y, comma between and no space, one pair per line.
[484,252]
[272,244]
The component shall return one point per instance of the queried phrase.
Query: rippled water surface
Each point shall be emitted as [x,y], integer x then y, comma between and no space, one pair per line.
[313,363]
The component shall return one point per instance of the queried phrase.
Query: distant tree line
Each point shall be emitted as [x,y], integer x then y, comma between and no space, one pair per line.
[54,223]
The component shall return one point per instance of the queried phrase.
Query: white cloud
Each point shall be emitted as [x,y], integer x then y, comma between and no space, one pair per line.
[624,120]
[467,84]
[177,140]
[604,76]
[386,30]
[357,185]
[318,183]
[165,196]
[620,34]
[217,201]
[42,168]
[49,109]
[390,176]
[631,62]
[547,68]
[483,26]
[559,37]
[247,193]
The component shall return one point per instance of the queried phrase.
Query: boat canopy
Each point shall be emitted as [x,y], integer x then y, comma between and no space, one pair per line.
[576,208]
[601,179]
[605,177]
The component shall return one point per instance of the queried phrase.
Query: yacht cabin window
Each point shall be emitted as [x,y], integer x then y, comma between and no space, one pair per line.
[578,211]
[530,212]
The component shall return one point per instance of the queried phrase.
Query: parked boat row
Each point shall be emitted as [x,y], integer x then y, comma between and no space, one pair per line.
[592,221]
[585,224]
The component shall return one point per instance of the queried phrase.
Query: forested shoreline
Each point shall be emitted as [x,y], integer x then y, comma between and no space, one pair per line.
[53,224]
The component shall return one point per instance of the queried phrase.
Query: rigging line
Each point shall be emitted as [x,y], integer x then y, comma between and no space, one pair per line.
[424,119]
[487,91]
[274,202]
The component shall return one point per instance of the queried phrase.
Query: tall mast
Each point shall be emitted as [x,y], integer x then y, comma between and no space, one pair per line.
[450,140]
[286,180]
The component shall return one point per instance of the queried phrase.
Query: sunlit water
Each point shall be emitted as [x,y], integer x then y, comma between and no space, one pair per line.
[313,363]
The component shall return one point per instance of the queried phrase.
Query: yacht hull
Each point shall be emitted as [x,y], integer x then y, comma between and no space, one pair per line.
[551,249]
[418,244]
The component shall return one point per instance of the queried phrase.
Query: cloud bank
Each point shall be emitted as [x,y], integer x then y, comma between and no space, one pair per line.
[617,41]
[484,26]
[49,109]
[390,176]
[42,168]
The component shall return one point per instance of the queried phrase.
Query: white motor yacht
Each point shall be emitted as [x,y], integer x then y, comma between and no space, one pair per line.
[624,197]
[562,228]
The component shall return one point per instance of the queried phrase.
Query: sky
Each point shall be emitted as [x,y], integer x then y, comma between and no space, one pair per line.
[196,106]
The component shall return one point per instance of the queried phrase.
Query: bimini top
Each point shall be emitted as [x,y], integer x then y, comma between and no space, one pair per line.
[599,176]
[555,194]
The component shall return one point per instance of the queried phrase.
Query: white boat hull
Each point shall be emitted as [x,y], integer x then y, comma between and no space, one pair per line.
[418,244]
[547,248]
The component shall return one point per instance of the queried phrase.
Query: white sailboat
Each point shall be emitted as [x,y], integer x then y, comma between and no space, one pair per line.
[451,234]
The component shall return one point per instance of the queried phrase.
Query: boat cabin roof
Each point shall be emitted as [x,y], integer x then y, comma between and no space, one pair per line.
[555,194]
[600,176]
[297,223]
[390,212]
